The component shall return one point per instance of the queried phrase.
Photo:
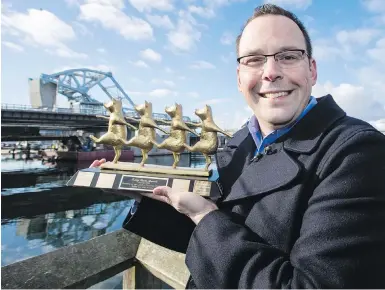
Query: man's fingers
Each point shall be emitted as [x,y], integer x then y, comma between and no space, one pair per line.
[162,190]
[162,198]
[97,163]
[162,193]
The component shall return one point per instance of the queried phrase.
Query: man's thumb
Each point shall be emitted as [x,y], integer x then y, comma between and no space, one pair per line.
[162,190]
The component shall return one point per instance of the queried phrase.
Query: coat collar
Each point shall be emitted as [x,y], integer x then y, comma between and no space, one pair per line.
[306,134]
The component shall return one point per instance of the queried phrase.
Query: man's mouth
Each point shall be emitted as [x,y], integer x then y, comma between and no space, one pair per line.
[274,95]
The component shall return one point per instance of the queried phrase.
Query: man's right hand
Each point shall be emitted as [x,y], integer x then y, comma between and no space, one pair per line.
[131,194]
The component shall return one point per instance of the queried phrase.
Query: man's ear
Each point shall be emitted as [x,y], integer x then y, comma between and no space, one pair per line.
[313,71]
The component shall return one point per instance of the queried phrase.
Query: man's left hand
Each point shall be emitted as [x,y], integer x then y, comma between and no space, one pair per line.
[188,203]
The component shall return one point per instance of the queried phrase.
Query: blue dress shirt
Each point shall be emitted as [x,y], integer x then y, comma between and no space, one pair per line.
[261,142]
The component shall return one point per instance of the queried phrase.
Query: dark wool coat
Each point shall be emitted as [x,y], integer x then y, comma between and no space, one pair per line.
[310,213]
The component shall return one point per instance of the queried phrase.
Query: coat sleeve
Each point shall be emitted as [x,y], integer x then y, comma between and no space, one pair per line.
[342,237]
[161,224]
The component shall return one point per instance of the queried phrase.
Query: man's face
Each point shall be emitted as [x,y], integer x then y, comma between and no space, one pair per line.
[270,34]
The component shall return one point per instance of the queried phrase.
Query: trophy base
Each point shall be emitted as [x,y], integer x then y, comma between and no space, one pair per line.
[152,168]
[140,181]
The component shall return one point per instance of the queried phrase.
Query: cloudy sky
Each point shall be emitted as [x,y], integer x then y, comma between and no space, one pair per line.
[167,51]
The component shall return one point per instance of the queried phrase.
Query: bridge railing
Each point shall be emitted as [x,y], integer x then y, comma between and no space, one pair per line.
[144,265]
[18,107]
[85,111]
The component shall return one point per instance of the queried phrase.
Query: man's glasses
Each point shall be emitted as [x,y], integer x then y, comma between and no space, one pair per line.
[285,59]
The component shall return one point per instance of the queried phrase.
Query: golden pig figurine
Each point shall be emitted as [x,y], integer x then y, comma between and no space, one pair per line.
[208,143]
[116,135]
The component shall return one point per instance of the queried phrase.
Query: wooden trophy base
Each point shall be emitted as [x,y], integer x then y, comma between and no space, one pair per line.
[152,168]
[132,177]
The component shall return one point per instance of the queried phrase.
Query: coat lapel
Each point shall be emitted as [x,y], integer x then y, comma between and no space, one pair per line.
[305,136]
[269,173]
[232,160]
[241,139]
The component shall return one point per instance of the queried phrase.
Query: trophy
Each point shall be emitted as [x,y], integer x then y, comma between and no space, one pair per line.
[145,177]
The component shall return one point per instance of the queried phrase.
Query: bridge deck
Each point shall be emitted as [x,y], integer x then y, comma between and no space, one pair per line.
[60,118]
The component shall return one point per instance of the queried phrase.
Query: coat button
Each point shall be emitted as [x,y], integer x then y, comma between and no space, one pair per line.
[268,149]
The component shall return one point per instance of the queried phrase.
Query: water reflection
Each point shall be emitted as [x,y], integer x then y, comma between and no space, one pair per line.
[22,238]
[9,164]
[40,214]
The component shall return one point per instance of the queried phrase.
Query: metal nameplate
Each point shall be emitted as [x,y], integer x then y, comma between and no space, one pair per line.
[141,183]
[202,187]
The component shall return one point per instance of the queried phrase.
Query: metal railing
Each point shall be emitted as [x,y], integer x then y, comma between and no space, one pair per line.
[144,265]
[84,111]
[17,107]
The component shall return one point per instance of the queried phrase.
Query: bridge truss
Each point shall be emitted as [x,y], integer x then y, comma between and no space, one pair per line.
[75,84]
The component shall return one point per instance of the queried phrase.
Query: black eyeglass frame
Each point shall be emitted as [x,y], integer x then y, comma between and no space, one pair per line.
[303,51]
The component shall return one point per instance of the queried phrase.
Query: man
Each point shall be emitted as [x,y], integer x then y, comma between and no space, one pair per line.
[303,184]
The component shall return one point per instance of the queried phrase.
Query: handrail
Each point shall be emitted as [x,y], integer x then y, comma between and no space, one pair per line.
[167,265]
[83,111]
[143,263]
[77,266]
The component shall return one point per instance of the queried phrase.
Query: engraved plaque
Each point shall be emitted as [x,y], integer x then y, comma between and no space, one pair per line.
[202,187]
[180,184]
[84,179]
[105,180]
[141,183]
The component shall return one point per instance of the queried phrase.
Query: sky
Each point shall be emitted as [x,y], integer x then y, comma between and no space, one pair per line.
[183,51]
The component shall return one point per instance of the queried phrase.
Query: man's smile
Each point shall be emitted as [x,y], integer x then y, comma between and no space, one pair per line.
[275,94]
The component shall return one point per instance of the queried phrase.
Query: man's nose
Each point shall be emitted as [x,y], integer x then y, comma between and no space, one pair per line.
[271,70]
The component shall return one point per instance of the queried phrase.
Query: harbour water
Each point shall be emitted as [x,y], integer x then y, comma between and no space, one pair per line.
[40,214]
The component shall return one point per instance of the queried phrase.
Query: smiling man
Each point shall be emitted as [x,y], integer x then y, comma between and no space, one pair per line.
[276,71]
[303,184]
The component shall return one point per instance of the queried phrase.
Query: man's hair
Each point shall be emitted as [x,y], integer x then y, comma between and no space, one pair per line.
[271,9]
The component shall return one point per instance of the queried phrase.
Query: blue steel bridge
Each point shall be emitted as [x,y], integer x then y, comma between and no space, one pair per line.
[75,85]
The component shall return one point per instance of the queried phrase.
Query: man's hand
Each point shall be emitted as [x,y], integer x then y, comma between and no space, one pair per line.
[188,203]
[97,163]
[135,196]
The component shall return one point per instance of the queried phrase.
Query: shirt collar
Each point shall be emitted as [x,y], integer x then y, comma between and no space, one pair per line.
[261,142]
